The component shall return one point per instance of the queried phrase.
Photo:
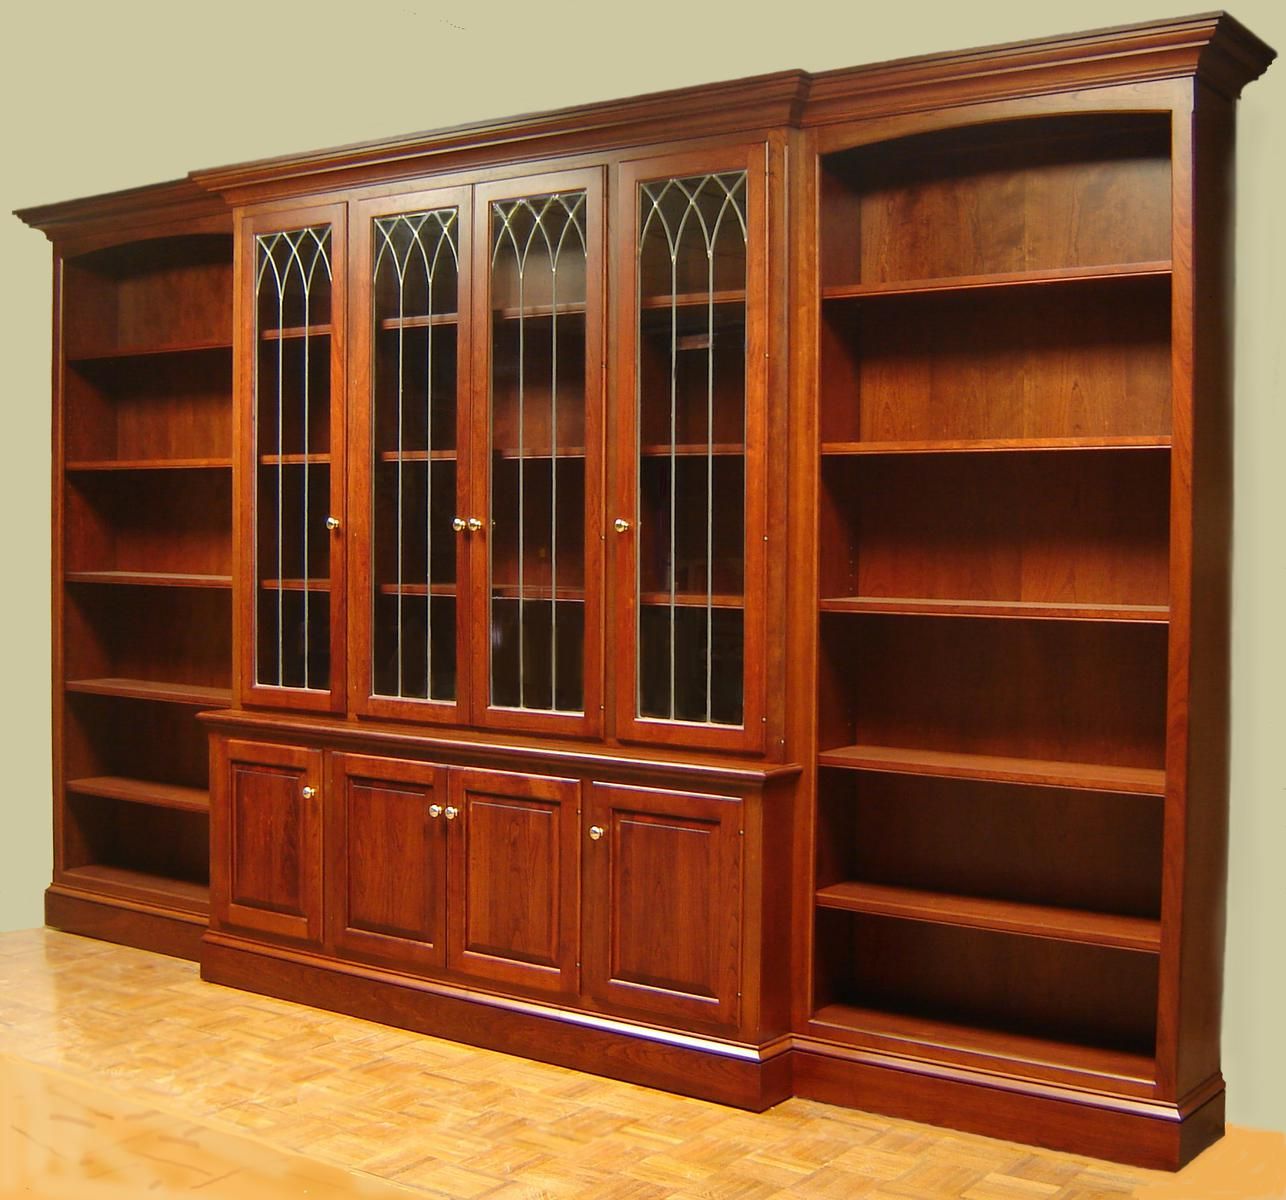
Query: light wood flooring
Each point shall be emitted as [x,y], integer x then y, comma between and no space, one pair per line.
[122,1074]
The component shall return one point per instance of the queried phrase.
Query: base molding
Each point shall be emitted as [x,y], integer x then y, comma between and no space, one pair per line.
[125,922]
[1156,1134]
[743,1076]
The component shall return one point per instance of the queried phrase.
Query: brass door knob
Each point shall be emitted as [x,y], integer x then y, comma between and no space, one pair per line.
[474,524]
[435,811]
[332,523]
[309,791]
[452,812]
[459,524]
[621,525]
[596,832]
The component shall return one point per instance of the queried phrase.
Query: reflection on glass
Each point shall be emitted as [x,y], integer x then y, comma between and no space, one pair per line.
[292,463]
[691,375]
[415,298]
[537,505]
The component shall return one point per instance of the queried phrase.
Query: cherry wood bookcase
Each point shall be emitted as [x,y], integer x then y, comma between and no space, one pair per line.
[727,589]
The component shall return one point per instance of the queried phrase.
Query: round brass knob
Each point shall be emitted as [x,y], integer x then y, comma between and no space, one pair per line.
[435,811]
[332,523]
[474,524]
[596,832]
[452,812]
[621,525]
[309,791]
[459,524]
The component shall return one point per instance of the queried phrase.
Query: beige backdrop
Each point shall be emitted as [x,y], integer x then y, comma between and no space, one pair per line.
[99,96]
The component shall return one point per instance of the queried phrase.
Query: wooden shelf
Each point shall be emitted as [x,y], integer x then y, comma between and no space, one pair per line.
[107,354]
[294,460]
[694,450]
[416,589]
[996,445]
[417,456]
[148,689]
[950,765]
[924,1035]
[149,579]
[295,331]
[509,591]
[420,322]
[181,893]
[692,299]
[149,464]
[691,600]
[1030,610]
[539,312]
[295,585]
[510,453]
[1003,916]
[142,791]
[1005,279]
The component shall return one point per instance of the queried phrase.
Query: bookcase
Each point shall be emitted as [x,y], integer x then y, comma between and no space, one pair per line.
[725,589]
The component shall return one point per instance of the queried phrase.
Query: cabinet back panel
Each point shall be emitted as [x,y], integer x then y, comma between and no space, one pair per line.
[137,837]
[164,292]
[168,406]
[1085,359]
[176,635]
[150,521]
[1066,691]
[1017,196]
[1087,995]
[1073,527]
[1074,849]
[134,738]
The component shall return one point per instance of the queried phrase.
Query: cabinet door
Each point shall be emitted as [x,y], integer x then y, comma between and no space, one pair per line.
[266,839]
[662,900]
[689,499]
[538,440]
[386,859]
[290,387]
[409,456]
[513,894]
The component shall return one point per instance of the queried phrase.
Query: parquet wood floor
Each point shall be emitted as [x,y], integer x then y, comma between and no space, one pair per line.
[119,1067]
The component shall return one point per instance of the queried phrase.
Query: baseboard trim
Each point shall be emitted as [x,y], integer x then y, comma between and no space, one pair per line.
[125,922]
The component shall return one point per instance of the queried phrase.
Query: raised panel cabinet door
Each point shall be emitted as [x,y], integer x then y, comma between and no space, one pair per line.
[409,460]
[662,902]
[386,859]
[535,524]
[290,459]
[513,879]
[266,839]
[688,524]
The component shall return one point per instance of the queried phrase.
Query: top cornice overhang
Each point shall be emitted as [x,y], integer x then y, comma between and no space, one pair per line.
[1213,48]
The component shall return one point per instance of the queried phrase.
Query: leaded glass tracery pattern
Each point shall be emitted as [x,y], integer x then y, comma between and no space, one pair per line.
[536,543]
[415,339]
[292,463]
[691,421]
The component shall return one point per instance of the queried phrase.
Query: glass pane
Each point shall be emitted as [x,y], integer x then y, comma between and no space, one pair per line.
[415,287]
[691,380]
[537,536]
[292,459]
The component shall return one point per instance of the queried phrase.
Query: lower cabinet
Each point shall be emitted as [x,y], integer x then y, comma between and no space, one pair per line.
[631,901]
[265,839]
[453,868]
[662,931]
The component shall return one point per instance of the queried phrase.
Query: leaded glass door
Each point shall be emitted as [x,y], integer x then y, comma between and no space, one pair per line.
[535,530]
[688,528]
[410,456]
[291,376]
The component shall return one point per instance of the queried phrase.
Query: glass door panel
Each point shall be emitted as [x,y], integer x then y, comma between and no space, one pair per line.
[294,363]
[695,455]
[544,360]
